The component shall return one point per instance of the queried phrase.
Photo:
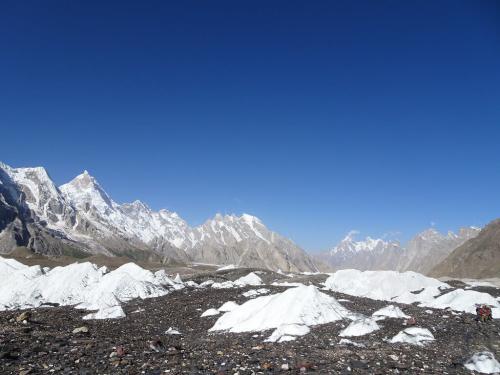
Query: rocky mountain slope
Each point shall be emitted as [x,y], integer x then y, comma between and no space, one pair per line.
[80,218]
[479,257]
[429,248]
[420,254]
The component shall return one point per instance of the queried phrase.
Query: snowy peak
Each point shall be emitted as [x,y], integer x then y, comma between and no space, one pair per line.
[84,191]
[350,245]
[227,229]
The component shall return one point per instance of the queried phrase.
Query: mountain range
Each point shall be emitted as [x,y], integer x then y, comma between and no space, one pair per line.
[79,219]
[423,252]
[477,258]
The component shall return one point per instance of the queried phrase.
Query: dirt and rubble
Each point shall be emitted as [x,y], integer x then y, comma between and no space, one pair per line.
[55,340]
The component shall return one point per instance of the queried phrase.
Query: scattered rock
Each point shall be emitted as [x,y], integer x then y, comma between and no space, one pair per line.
[23,317]
[82,329]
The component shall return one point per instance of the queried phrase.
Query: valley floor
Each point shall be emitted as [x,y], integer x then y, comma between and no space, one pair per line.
[46,343]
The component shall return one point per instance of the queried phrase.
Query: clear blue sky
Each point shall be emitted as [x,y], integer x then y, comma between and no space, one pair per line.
[318,117]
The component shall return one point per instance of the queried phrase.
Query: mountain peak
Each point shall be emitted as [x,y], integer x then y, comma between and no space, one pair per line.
[84,189]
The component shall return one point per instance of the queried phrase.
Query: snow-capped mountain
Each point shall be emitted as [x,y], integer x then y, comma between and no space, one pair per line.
[82,217]
[367,254]
[420,254]
[245,240]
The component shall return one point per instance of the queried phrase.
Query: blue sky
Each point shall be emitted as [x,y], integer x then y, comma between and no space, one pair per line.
[317,117]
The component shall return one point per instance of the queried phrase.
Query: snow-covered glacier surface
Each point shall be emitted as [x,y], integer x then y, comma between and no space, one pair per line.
[83,285]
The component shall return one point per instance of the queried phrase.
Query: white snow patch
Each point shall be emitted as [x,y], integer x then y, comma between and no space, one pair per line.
[255,292]
[288,332]
[172,331]
[390,311]
[112,312]
[483,362]
[462,300]
[304,305]
[250,279]
[380,285]
[360,327]
[414,336]
[210,312]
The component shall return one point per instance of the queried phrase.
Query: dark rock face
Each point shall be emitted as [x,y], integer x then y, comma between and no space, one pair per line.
[138,343]
[477,258]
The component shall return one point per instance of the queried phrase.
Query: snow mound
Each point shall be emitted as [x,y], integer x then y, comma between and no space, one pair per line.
[210,312]
[390,311]
[483,362]
[206,283]
[462,300]
[172,331]
[288,332]
[223,285]
[380,285]
[83,285]
[178,279]
[408,288]
[250,279]
[360,327]
[304,305]
[414,336]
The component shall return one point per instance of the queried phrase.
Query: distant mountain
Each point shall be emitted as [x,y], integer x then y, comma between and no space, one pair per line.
[420,254]
[80,218]
[367,254]
[477,258]
[245,240]
[429,248]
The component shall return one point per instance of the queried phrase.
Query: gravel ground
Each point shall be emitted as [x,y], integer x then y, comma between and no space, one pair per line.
[47,344]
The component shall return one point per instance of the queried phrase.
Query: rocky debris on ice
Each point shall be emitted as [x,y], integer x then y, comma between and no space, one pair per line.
[47,339]
[483,362]
[300,306]
[414,336]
